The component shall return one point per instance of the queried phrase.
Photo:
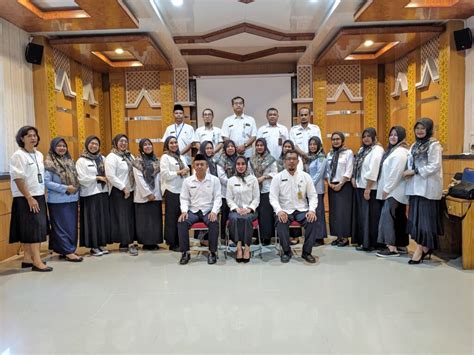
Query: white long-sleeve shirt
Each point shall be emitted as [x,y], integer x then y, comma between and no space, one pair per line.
[289,193]
[27,166]
[143,190]
[391,179]
[242,194]
[274,135]
[370,168]
[201,195]
[344,166]
[271,170]
[429,180]
[116,170]
[170,180]
[223,179]
[87,175]
[300,136]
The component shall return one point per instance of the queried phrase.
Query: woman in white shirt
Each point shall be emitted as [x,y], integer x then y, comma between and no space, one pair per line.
[173,170]
[94,198]
[364,180]
[226,163]
[264,168]
[147,197]
[391,190]
[424,186]
[29,221]
[243,198]
[339,173]
[119,172]
[286,146]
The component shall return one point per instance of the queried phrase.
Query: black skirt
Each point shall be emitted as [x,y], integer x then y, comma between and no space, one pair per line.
[95,220]
[25,226]
[149,223]
[321,231]
[425,223]
[122,218]
[393,224]
[266,217]
[365,219]
[340,211]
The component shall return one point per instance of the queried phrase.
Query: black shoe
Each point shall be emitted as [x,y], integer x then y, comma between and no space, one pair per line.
[150,247]
[28,265]
[343,243]
[266,242]
[175,248]
[46,269]
[387,253]
[185,257]
[362,248]
[212,258]
[285,258]
[319,242]
[309,258]
[239,260]
[76,260]
[335,242]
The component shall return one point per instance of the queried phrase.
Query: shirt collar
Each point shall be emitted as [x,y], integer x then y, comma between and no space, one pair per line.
[206,178]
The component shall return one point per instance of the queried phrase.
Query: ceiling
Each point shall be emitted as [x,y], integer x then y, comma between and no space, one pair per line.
[202,34]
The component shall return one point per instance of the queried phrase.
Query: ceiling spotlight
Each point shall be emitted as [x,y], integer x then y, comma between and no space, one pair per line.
[368,43]
[177,2]
[119,51]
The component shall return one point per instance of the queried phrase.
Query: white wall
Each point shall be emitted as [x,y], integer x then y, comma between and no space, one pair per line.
[469,94]
[259,91]
[16,89]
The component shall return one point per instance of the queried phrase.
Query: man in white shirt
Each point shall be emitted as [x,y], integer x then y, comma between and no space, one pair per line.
[274,133]
[240,128]
[300,134]
[183,132]
[294,198]
[200,202]
[208,132]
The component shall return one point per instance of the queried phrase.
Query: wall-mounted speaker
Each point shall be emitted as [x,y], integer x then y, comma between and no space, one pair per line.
[34,53]
[463,39]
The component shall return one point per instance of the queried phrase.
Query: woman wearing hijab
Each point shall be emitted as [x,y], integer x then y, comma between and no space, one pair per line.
[339,173]
[119,172]
[29,219]
[173,170]
[94,198]
[147,197]
[207,150]
[63,193]
[287,145]
[391,190]
[243,198]
[424,186]
[227,165]
[316,167]
[366,207]
[264,168]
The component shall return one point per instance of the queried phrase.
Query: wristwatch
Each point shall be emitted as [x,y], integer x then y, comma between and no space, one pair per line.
[416,171]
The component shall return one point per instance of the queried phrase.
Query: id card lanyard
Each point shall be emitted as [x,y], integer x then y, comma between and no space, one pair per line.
[33,157]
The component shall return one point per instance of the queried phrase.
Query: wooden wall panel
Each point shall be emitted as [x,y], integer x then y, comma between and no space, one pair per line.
[6,250]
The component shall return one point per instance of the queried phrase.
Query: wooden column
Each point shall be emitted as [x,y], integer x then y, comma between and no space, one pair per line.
[117,103]
[320,98]
[167,97]
[369,93]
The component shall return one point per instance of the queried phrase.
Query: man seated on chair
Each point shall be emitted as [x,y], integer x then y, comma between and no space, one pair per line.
[293,198]
[200,202]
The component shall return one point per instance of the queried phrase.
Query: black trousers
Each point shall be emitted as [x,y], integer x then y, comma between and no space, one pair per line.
[266,217]
[240,227]
[183,230]
[224,217]
[172,213]
[393,224]
[283,231]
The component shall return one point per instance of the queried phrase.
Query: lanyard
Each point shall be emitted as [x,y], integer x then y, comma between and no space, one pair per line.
[33,157]
[176,130]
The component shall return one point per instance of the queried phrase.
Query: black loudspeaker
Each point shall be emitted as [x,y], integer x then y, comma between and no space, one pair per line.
[463,39]
[34,53]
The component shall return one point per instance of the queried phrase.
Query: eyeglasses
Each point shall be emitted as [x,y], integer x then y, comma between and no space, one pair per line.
[291,159]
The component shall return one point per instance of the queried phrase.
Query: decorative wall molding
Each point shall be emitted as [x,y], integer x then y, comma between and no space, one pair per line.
[344,78]
[242,57]
[429,72]
[87,77]
[63,83]
[142,85]
[181,85]
[401,85]
[304,82]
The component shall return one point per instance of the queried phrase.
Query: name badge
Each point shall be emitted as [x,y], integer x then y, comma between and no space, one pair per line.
[247,124]
[300,195]
[231,125]
[236,184]
[193,187]
[299,134]
[284,180]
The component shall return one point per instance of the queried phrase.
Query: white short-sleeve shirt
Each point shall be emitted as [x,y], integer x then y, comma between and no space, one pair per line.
[300,136]
[240,129]
[27,166]
[184,133]
[275,136]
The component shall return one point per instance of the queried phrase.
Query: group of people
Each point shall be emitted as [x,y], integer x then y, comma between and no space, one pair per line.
[242,179]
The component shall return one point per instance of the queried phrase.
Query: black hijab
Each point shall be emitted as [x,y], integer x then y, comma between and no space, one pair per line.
[210,161]
[336,151]
[421,146]
[96,157]
[148,164]
[364,151]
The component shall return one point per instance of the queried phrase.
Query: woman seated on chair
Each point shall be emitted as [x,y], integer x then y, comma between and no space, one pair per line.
[243,198]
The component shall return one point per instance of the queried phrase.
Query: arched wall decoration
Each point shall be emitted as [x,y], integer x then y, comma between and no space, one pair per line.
[344,78]
[62,72]
[88,86]
[142,85]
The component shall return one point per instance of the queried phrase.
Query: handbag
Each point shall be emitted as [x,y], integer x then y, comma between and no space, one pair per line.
[464,190]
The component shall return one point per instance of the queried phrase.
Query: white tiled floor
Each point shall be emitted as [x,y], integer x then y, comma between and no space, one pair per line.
[350,302]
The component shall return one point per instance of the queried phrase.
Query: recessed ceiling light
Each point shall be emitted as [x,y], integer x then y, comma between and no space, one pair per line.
[368,43]
[119,51]
[177,2]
